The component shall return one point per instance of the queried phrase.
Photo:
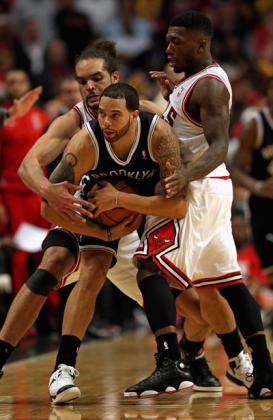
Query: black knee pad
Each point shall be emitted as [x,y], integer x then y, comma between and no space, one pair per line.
[41,282]
[62,238]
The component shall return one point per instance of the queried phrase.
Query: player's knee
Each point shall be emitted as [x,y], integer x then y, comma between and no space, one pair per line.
[93,273]
[41,282]
[146,268]
[57,260]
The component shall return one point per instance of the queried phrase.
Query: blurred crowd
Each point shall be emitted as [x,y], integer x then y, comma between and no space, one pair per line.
[39,40]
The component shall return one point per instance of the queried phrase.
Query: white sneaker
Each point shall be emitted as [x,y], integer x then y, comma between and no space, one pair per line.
[61,385]
[240,369]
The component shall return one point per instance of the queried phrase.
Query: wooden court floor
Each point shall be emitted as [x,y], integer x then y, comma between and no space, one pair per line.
[106,369]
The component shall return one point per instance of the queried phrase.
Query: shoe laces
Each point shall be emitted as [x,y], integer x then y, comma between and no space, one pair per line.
[66,371]
[243,365]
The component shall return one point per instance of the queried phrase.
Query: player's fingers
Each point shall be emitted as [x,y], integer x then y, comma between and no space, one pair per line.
[170,167]
[72,187]
[81,202]
[171,192]
[73,217]
[157,74]
[83,211]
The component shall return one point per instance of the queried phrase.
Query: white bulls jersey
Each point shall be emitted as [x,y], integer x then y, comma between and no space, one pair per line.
[198,250]
[187,130]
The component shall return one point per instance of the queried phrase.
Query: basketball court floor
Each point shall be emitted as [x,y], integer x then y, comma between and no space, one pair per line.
[106,368]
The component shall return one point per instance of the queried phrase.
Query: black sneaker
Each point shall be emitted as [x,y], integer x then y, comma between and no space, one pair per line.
[262,387]
[169,376]
[203,379]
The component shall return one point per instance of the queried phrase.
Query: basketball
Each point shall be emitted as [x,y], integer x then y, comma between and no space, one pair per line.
[112,217]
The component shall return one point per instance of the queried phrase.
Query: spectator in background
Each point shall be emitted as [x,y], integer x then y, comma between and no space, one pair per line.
[20,106]
[30,50]
[99,13]
[17,203]
[68,95]
[56,67]
[250,264]
[133,36]
[252,169]
[262,43]
[73,28]
[42,10]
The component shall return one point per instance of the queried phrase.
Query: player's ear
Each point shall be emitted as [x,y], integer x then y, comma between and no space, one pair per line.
[115,77]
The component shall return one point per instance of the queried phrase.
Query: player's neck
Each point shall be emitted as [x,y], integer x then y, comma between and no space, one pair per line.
[201,65]
[123,146]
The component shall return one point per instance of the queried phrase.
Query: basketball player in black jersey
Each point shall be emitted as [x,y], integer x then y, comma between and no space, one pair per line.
[252,169]
[135,146]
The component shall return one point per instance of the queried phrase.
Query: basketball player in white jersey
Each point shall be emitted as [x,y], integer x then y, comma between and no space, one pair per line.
[198,110]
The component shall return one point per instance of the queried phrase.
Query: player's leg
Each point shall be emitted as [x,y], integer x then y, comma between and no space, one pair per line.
[251,327]
[248,320]
[60,252]
[79,311]
[192,342]
[159,307]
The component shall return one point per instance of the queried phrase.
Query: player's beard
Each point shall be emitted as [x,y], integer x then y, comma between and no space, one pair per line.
[120,133]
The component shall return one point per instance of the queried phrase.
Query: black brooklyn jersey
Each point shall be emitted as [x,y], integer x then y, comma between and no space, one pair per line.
[139,168]
[262,159]
[262,164]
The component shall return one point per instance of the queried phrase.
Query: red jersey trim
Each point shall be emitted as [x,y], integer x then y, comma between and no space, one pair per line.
[87,110]
[79,114]
[218,286]
[224,177]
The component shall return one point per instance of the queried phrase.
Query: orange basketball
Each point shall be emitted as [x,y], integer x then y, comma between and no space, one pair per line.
[112,217]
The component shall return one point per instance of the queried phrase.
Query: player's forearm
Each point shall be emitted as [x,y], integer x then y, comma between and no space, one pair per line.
[88,228]
[242,179]
[210,160]
[174,208]
[32,175]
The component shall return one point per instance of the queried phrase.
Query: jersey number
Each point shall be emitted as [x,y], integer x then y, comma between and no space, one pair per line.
[170,117]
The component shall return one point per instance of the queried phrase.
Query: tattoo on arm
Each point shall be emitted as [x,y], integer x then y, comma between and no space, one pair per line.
[167,149]
[64,171]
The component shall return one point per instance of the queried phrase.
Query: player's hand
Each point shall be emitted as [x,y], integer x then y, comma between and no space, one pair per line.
[104,198]
[61,198]
[126,226]
[176,183]
[265,188]
[23,105]
[165,83]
